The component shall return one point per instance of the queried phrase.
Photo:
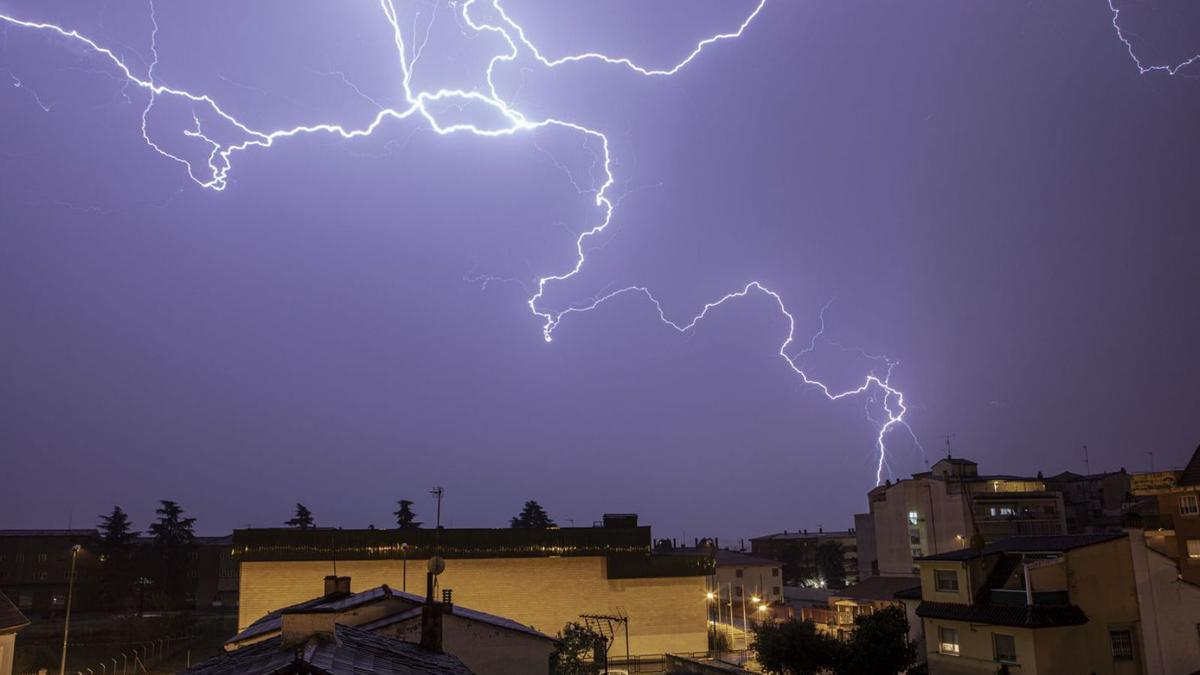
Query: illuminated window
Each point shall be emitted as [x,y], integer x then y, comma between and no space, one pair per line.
[945,581]
[948,641]
[1122,644]
[1189,505]
[912,518]
[1004,647]
[1193,549]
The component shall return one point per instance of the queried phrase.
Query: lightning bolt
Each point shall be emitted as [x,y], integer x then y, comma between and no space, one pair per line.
[214,174]
[1142,68]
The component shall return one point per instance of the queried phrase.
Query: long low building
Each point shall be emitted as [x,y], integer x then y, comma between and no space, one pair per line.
[544,578]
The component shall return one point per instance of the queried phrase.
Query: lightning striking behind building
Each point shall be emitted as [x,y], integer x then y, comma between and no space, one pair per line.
[425,106]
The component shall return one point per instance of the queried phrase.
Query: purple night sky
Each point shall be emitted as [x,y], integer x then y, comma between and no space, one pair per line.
[989,193]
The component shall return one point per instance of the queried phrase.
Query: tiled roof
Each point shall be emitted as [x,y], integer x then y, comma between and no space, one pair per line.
[353,652]
[1055,543]
[879,588]
[1191,473]
[11,618]
[273,622]
[463,612]
[1035,616]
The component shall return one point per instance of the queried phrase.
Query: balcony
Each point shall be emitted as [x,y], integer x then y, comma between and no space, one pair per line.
[1016,597]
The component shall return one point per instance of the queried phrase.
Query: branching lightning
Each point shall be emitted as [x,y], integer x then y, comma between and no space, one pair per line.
[1169,69]
[214,173]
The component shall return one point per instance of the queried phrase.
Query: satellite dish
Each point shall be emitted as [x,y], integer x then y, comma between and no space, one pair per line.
[436,565]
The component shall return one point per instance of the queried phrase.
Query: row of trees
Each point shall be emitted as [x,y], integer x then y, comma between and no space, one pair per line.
[532,516]
[122,572]
[879,645]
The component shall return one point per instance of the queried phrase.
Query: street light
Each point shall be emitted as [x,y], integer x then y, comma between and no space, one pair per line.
[62,664]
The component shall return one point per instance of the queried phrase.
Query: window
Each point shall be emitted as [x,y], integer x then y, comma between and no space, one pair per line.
[1005,510]
[1189,505]
[738,591]
[737,573]
[1004,647]
[774,590]
[25,600]
[945,581]
[774,571]
[948,641]
[42,576]
[912,518]
[1193,549]
[41,557]
[1122,644]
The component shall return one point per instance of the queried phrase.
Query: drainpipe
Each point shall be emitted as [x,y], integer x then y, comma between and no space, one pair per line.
[1028,587]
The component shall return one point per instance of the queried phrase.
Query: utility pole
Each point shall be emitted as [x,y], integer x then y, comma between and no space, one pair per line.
[62,664]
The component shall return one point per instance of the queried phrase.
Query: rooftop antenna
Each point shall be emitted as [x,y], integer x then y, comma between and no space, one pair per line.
[1151,453]
[1087,465]
[437,493]
[948,437]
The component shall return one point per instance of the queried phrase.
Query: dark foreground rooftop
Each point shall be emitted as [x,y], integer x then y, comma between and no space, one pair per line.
[351,652]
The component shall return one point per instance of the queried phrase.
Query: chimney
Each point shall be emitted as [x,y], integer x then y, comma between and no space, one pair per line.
[431,622]
[337,585]
[301,625]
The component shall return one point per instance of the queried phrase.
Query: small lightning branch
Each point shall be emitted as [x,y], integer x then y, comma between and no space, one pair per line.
[208,117]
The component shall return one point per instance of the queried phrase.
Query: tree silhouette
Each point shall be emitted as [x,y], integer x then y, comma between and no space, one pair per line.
[794,647]
[173,539]
[303,518]
[879,644]
[405,518]
[117,570]
[831,563]
[533,516]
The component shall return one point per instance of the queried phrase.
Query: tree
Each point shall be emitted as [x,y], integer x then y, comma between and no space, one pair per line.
[879,645]
[303,518]
[173,539]
[405,518]
[831,563]
[576,650]
[793,647]
[117,572]
[533,516]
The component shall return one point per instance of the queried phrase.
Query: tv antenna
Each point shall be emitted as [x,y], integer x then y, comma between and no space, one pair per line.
[948,437]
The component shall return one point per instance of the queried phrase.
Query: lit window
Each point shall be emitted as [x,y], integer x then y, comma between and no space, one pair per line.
[948,641]
[1004,647]
[912,518]
[1122,644]
[945,581]
[1189,505]
[1193,549]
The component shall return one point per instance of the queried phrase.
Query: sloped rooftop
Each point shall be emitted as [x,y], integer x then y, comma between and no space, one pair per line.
[352,652]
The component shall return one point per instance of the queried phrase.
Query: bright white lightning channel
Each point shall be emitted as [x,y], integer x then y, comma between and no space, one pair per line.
[214,174]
